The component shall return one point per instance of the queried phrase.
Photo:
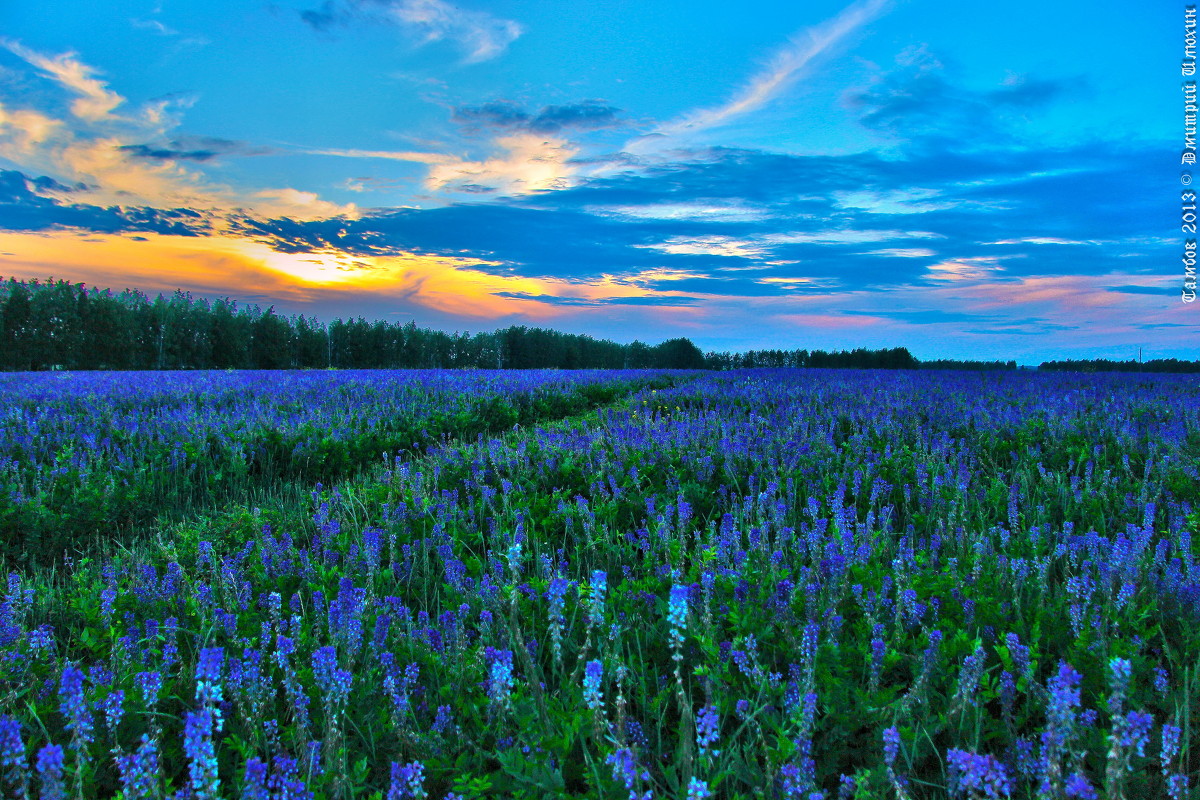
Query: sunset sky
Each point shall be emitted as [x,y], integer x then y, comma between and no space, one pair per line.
[815,174]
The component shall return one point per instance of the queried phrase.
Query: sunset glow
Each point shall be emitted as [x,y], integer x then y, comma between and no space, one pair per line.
[838,174]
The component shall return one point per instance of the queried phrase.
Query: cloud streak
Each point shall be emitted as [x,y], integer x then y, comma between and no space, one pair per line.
[783,69]
[481,36]
[94,100]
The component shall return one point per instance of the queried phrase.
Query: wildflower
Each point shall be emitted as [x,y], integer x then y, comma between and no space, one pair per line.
[254,785]
[407,781]
[708,730]
[891,746]
[1170,743]
[334,683]
[698,790]
[1118,681]
[625,770]
[1135,731]
[139,770]
[1019,654]
[75,708]
[1161,683]
[977,775]
[198,746]
[113,707]
[149,684]
[285,783]
[50,772]
[593,674]
[12,757]
[500,672]
[599,586]
[1078,788]
[677,609]
[208,682]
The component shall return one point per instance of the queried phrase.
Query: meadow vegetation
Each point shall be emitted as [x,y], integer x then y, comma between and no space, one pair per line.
[778,584]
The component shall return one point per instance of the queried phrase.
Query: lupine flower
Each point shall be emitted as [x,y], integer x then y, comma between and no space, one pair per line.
[599,586]
[198,746]
[1063,688]
[50,772]
[500,672]
[334,683]
[139,770]
[592,676]
[149,684]
[74,707]
[443,721]
[408,781]
[12,757]
[968,678]
[891,745]
[625,770]
[1161,684]
[208,683]
[254,784]
[1120,672]
[708,730]
[114,708]
[285,782]
[977,775]
[698,790]
[1170,743]
[1078,788]
[677,609]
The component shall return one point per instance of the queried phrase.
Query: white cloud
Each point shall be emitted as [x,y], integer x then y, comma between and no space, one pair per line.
[904,252]
[781,72]
[896,201]
[1046,240]
[530,164]
[965,269]
[846,237]
[709,245]
[482,35]
[94,101]
[99,149]
[696,211]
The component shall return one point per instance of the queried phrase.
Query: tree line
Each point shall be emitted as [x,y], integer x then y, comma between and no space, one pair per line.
[60,325]
[1104,365]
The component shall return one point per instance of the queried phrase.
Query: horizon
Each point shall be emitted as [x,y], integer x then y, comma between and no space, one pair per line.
[839,176]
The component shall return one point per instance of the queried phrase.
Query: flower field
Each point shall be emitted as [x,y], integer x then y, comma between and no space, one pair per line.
[778,584]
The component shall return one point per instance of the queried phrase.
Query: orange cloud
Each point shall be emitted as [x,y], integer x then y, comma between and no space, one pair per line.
[220,265]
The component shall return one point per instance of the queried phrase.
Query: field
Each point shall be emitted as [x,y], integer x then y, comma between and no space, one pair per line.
[777,584]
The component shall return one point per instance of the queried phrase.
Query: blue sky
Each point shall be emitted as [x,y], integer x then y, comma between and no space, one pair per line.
[826,174]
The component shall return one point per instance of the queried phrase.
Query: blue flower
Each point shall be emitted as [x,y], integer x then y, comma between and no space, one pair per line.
[198,747]
[677,609]
[139,770]
[1078,788]
[698,790]
[408,781]
[50,771]
[254,785]
[599,587]
[592,676]
[12,756]
[891,745]
[74,707]
[977,775]
[708,730]
[149,684]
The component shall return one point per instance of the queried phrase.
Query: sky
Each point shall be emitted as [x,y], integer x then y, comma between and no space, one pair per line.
[820,175]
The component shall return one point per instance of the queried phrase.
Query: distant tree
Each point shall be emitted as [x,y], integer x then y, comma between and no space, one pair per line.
[678,354]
